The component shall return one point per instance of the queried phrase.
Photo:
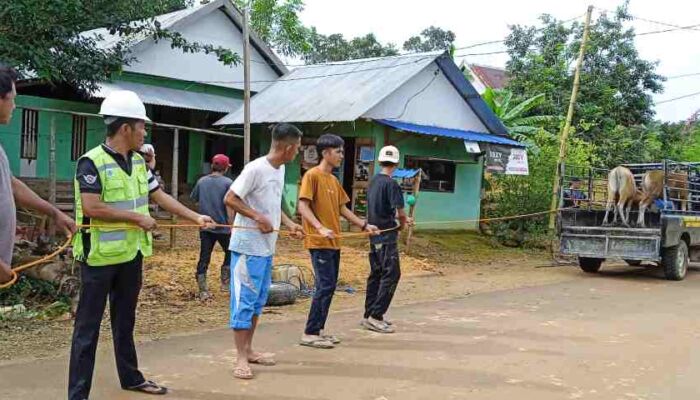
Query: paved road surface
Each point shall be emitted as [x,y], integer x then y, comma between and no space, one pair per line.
[624,334]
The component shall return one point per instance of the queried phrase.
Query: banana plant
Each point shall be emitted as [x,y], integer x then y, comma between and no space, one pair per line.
[521,126]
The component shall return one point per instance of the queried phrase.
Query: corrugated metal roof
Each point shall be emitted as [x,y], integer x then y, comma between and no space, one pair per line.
[451,133]
[172,97]
[341,91]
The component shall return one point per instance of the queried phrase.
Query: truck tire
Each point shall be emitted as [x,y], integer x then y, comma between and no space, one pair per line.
[590,265]
[674,260]
[633,263]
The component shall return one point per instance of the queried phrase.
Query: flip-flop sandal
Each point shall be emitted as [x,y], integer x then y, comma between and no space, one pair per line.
[318,343]
[243,373]
[263,360]
[149,387]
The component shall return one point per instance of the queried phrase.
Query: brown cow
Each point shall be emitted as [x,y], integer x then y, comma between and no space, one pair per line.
[623,192]
[653,186]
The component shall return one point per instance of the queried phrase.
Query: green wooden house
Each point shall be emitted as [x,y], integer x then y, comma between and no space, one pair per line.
[421,103]
[189,90]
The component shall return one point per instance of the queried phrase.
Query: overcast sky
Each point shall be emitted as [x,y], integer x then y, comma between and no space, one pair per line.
[473,22]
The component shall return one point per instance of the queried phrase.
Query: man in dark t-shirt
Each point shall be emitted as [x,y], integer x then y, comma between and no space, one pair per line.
[209,193]
[384,204]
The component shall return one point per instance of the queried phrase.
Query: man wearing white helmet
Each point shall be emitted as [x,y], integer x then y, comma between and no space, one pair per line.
[384,204]
[113,186]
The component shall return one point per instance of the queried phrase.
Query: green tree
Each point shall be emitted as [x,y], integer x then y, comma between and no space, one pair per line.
[616,83]
[431,39]
[328,48]
[277,23]
[44,37]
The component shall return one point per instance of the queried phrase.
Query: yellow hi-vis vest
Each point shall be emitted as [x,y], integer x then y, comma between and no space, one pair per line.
[110,243]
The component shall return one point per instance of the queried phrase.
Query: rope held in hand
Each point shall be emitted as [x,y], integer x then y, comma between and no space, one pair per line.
[67,243]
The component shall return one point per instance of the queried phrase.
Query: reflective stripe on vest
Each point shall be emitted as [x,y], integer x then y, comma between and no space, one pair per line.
[128,205]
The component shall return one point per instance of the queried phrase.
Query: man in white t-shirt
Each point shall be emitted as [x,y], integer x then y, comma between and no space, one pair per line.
[256,196]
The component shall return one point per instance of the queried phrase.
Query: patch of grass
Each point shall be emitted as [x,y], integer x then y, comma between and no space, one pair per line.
[460,246]
[40,298]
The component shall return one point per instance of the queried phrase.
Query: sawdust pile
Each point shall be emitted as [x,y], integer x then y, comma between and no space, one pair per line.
[169,276]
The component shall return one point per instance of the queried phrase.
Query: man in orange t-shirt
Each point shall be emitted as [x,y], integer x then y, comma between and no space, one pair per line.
[322,201]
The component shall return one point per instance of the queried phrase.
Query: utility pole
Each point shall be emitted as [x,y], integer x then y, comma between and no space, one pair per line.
[52,169]
[564,137]
[174,181]
[246,84]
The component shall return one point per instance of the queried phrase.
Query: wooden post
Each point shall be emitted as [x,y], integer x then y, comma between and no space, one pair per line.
[412,209]
[246,85]
[569,117]
[52,169]
[174,180]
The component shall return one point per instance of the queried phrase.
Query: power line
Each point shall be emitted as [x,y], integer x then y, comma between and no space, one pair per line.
[652,21]
[678,98]
[478,44]
[689,27]
[683,75]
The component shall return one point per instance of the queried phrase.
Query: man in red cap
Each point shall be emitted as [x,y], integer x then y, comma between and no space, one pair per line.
[209,192]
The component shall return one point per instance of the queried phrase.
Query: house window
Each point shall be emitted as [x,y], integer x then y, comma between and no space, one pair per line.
[438,175]
[30,132]
[78,142]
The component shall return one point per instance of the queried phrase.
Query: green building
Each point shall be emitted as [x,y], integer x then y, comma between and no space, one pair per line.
[421,103]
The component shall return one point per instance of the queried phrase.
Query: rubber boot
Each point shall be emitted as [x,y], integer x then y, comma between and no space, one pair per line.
[203,288]
[225,278]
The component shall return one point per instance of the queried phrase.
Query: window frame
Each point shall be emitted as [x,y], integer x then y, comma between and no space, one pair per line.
[413,162]
[29,135]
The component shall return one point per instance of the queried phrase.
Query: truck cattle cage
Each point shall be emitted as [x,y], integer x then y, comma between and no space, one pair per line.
[670,237]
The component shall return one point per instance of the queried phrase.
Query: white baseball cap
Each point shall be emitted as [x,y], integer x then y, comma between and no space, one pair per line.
[389,154]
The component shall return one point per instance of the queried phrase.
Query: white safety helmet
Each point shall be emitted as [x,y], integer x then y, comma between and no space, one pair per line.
[389,154]
[125,104]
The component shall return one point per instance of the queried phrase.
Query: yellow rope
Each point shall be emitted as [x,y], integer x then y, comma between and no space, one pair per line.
[68,241]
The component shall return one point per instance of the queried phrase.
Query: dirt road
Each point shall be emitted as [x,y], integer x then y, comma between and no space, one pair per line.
[624,334]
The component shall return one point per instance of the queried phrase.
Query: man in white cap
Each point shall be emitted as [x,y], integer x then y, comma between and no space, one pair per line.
[113,186]
[384,204]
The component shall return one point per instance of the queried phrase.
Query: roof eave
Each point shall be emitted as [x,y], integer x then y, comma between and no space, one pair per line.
[470,95]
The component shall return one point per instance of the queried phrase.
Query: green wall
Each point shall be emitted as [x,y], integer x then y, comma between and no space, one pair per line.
[441,207]
[10,135]
[438,208]
[195,156]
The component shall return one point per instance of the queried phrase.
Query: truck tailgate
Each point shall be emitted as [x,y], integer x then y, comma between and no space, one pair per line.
[608,242]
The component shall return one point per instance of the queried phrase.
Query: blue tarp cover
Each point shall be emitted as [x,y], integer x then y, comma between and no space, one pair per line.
[451,133]
[404,173]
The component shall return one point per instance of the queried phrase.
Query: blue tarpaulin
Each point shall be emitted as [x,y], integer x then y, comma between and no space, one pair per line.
[451,133]
[404,173]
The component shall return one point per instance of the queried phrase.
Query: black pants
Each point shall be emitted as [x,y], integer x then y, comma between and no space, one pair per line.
[122,283]
[383,279]
[326,263]
[209,240]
